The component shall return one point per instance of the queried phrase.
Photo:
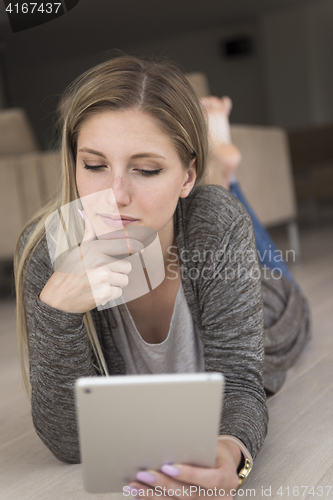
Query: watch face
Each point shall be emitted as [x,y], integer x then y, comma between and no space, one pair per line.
[244,472]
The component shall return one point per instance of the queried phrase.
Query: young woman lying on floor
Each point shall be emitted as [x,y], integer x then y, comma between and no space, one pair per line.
[135,142]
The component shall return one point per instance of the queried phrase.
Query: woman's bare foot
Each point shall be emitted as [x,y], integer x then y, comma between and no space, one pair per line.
[224,157]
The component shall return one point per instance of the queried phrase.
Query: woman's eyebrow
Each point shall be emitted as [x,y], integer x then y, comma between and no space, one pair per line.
[92,151]
[138,155]
[148,155]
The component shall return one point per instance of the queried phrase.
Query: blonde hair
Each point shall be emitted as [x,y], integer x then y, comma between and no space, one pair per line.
[152,85]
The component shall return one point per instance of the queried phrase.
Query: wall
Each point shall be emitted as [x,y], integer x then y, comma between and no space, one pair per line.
[2,103]
[298,65]
[286,68]
[2,86]
[319,23]
[286,82]
[241,78]
[37,87]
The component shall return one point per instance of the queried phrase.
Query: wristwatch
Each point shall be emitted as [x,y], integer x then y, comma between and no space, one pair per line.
[246,464]
[244,470]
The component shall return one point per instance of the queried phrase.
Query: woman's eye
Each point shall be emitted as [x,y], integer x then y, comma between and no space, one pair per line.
[148,173]
[93,167]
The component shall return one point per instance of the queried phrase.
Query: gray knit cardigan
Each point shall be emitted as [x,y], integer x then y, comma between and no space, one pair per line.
[222,285]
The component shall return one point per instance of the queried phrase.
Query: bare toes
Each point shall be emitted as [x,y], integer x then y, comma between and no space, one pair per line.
[227,104]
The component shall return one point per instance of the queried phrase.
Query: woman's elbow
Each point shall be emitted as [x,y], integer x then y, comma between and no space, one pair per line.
[64,448]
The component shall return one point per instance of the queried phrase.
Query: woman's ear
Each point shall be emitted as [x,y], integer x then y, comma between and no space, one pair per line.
[191,175]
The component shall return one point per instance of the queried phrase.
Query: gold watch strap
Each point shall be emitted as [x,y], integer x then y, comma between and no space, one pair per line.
[246,464]
[244,472]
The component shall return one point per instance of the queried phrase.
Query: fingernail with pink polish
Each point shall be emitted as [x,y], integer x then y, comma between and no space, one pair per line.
[80,213]
[145,477]
[170,470]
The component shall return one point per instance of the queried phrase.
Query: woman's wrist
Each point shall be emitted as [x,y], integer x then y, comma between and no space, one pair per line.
[55,293]
[234,451]
[244,452]
[245,463]
[49,293]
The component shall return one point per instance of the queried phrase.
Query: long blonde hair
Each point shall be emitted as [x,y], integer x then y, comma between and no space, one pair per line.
[155,86]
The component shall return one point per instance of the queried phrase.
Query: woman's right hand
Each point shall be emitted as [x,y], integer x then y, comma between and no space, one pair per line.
[90,275]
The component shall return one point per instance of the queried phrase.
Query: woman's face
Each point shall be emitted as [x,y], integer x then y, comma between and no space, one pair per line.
[131,171]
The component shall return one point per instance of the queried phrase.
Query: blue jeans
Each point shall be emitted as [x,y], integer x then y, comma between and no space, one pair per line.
[268,254]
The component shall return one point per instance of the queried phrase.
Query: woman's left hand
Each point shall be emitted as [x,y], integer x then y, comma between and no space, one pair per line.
[182,481]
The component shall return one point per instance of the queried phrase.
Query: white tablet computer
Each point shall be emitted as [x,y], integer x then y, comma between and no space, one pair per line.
[134,422]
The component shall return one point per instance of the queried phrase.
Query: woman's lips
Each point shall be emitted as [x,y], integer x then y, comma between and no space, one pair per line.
[119,223]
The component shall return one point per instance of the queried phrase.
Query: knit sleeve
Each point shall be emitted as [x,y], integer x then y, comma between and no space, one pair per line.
[231,306]
[59,353]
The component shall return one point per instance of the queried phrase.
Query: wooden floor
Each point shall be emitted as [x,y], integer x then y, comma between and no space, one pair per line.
[296,459]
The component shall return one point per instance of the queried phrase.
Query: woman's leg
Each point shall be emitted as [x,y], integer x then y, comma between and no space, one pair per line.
[224,157]
[223,160]
[287,320]
[268,254]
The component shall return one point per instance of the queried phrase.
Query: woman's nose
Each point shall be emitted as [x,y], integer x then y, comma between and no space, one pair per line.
[119,191]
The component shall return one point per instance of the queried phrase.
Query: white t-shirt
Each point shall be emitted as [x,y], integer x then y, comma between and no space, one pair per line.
[180,352]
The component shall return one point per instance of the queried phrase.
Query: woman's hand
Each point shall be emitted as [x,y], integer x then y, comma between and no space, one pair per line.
[90,275]
[182,481]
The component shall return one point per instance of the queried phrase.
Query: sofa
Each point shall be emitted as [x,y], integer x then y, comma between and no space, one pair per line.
[28,176]
[311,151]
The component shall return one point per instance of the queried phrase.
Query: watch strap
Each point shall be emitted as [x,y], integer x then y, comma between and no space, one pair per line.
[246,463]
